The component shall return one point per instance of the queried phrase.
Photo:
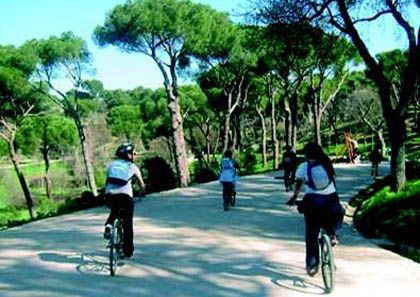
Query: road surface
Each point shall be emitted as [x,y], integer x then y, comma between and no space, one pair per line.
[187,246]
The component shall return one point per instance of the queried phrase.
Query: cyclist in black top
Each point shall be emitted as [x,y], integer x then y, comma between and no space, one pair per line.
[289,166]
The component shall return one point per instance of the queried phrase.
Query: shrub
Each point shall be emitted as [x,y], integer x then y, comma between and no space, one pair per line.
[396,215]
[159,176]
[203,174]
[248,161]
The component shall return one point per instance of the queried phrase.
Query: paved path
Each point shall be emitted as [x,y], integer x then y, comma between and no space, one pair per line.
[188,247]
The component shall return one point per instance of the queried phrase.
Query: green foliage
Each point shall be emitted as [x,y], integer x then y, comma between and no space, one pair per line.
[124,120]
[17,93]
[46,207]
[247,160]
[55,132]
[10,216]
[202,173]
[394,64]
[4,149]
[146,25]
[397,215]
[55,53]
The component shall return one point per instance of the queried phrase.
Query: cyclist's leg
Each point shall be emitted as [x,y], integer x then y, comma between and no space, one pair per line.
[293,174]
[311,237]
[233,188]
[110,202]
[331,217]
[286,177]
[225,191]
[128,205]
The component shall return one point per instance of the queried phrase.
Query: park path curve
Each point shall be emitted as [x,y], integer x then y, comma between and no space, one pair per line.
[186,246]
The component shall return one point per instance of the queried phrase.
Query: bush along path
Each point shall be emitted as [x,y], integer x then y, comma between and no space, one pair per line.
[393,218]
[186,245]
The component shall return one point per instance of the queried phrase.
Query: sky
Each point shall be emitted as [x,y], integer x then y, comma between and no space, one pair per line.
[22,20]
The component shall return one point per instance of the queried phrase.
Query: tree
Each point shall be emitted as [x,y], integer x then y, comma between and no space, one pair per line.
[171,32]
[68,55]
[125,120]
[346,16]
[49,133]
[227,82]
[200,121]
[18,99]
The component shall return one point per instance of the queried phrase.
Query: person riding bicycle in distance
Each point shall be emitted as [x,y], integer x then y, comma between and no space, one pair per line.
[320,204]
[289,167]
[229,170]
[119,193]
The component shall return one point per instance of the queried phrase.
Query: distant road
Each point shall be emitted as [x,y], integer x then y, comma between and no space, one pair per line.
[186,246]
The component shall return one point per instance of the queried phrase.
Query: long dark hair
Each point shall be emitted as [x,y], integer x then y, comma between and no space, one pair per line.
[314,151]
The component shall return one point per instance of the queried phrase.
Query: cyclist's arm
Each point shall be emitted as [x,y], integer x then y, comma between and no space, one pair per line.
[298,187]
[139,180]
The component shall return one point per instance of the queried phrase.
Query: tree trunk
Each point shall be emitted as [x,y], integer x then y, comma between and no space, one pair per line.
[178,137]
[226,131]
[264,136]
[22,180]
[397,135]
[274,133]
[381,139]
[316,118]
[294,120]
[287,121]
[47,178]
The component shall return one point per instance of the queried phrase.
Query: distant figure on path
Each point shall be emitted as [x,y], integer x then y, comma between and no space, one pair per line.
[228,175]
[375,157]
[289,167]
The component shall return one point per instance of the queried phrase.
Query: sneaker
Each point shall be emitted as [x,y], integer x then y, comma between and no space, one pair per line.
[107,232]
[312,270]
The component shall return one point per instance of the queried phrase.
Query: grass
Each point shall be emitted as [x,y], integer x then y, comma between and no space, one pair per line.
[395,216]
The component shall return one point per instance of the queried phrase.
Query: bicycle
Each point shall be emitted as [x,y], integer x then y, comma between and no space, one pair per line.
[116,243]
[229,195]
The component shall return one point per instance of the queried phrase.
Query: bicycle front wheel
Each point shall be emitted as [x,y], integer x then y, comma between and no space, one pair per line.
[327,263]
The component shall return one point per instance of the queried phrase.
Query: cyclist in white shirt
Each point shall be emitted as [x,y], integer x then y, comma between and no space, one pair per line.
[119,193]
[320,204]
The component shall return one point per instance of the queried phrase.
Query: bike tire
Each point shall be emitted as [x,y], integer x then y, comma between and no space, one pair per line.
[327,263]
[232,199]
[114,248]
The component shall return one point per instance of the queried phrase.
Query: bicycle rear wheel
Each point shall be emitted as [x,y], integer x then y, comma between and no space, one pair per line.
[114,253]
[327,262]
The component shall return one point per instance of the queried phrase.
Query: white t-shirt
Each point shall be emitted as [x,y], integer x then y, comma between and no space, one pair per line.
[127,188]
[227,171]
[320,178]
